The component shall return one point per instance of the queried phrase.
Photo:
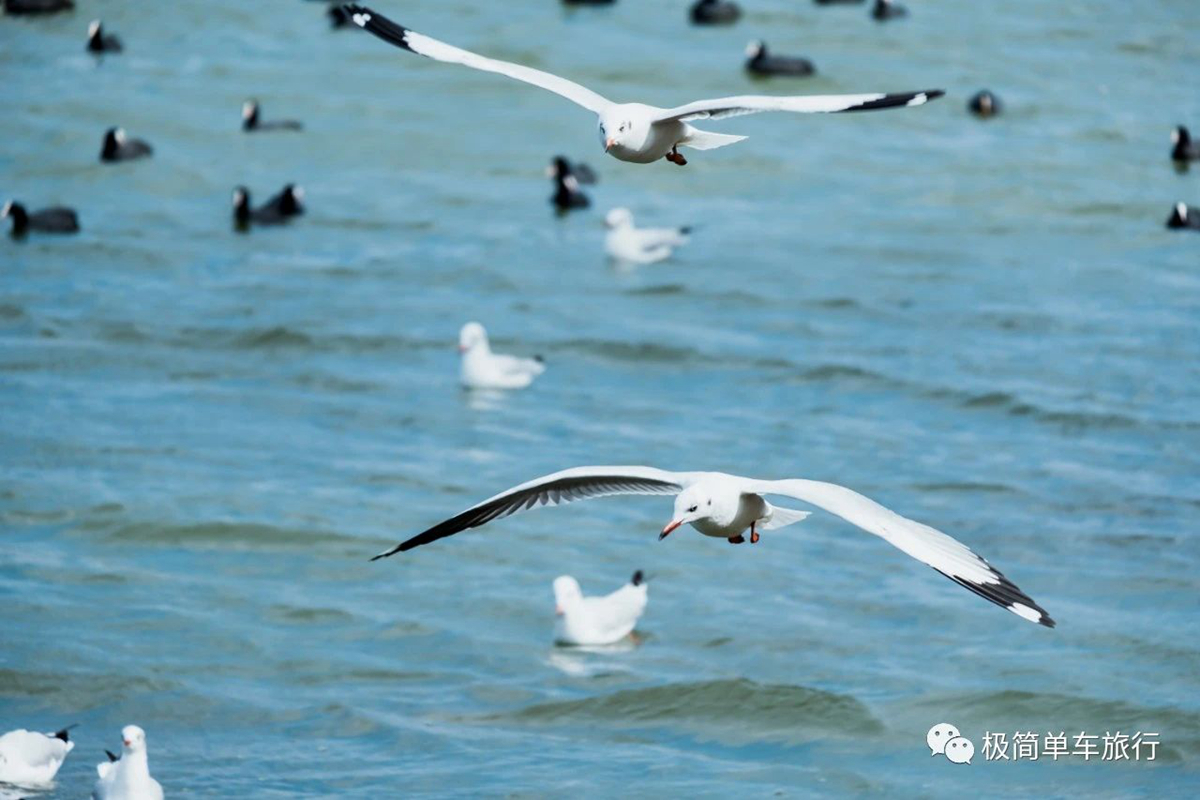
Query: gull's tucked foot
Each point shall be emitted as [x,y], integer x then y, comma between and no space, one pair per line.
[675,158]
[736,539]
[753,533]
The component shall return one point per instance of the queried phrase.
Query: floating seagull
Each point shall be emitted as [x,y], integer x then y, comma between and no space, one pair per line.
[725,506]
[483,369]
[127,778]
[119,147]
[633,245]
[56,219]
[715,12]
[251,122]
[99,42]
[984,104]
[276,211]
[887,9]
[760,62]
[1185,149]
[636,132]
[597,620]
[567,194]
[30,759]
[1184,217]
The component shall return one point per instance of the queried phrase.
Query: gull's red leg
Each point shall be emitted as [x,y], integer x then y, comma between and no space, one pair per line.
[675,158]
[736,539]
[753,533]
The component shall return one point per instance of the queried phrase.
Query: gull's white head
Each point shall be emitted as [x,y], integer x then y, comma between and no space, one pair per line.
[134,739]
[621,130]
[618,217]
[93,28]
[471,336]
[755,48]
[566,594]
[694,503]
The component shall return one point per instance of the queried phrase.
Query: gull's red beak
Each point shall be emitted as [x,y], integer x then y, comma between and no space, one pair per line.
[672,525]
[462,349]
[608,143]
[558,612]
[127,743]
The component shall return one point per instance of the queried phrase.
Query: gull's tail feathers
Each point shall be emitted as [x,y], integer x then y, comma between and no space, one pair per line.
[782,517]
[704,140]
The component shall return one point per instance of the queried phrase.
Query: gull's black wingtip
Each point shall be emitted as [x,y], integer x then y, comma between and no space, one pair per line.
[378,24]
[934,94]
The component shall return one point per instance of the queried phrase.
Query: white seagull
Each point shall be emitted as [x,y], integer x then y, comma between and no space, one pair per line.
[597,620]
[127,778]
[724,506]
[30,759]
[633,245]
[483,369]
[636,132]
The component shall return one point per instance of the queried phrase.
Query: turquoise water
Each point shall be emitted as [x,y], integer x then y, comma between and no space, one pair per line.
[983,325]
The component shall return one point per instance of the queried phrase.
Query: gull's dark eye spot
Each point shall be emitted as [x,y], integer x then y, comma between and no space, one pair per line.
[710,502]
[692,509]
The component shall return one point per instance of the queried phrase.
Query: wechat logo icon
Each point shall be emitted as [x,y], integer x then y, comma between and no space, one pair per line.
[945,740]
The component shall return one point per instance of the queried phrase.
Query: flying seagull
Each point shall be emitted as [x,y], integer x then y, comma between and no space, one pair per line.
[725,506]
[636,132]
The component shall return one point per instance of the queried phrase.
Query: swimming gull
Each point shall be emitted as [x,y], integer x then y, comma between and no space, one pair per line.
[597,620]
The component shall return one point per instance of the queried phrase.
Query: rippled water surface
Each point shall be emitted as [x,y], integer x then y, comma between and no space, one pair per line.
[984,325]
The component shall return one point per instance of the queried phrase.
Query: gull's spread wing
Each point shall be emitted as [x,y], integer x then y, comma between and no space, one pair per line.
[724,107]
[579,483]
[947,555]
[423,45]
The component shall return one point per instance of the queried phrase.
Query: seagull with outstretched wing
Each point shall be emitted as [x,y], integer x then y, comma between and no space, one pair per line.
[637,132]
[726,506]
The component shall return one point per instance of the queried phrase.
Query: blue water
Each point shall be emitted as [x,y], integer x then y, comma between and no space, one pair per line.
[983,325]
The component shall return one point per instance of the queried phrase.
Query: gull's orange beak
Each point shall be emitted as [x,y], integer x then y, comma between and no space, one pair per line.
[127,743]
[462,349]
[666,531]
[608,143]
[558,612]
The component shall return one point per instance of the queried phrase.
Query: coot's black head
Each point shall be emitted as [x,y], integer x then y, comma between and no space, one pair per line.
[1180,137]
[1179,216]
[756,49]
[241,206]
[249,114]
[290,199]
[984,103]
[20,219]
[560,168]
[95,36]
[112,143]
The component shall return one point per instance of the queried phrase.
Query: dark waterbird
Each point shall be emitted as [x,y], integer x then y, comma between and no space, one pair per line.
[760,62]
[1182,216]
[886,9]
[37,6]
[837,2]
[567,177]
[119,147]
[338,16]
[57,219]
[276,211]
[715,12]
[1184,149]
[251,120]
[100,42]
[984,104]
[588,2]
